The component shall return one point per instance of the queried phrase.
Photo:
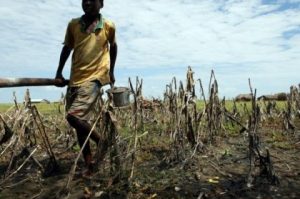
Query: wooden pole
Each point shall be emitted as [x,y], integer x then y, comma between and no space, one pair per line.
[17,82]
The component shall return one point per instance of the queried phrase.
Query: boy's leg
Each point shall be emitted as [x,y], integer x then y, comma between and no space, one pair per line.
[83,128]
[80,101]
[87,155]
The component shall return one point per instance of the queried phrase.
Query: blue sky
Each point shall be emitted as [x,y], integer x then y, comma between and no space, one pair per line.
[158,39]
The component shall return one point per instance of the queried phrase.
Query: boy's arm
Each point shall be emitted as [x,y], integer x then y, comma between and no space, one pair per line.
[113,51]
[64,55]
[66,50]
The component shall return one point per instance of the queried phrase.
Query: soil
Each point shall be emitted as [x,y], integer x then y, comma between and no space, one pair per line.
[219,170]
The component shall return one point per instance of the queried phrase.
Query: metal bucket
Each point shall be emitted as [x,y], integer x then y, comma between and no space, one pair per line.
[120,96]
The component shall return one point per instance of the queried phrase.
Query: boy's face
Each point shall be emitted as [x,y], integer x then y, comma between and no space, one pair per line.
[92,7]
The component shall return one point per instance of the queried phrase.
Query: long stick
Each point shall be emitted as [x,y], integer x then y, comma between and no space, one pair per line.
[135,129]
[16,82]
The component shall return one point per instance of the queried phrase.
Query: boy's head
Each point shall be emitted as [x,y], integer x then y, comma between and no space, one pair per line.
[92,7]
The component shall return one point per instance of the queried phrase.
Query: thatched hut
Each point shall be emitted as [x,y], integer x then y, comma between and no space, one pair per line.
[277,97]
[243,97]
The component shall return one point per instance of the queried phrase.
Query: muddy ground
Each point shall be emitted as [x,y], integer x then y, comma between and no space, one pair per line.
[219,170]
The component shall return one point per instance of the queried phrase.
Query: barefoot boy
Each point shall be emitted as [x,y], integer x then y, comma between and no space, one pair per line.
[93,42]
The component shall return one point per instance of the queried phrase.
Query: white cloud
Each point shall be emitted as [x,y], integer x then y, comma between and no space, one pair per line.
[238,39]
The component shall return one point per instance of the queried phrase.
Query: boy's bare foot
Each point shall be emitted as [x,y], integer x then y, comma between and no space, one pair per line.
[87,173]
[90,167]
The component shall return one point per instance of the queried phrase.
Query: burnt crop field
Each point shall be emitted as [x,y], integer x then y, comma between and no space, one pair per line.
[192,143]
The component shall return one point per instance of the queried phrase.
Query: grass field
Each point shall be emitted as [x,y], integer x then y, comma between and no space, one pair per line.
[52,107]
[44,108]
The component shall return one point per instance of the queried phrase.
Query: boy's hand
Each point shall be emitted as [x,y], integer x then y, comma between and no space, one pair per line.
[61,82]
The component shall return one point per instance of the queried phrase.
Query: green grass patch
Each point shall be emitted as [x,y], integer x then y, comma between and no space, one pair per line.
[5,106]
[229,104]
[232,129]
[44,108]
